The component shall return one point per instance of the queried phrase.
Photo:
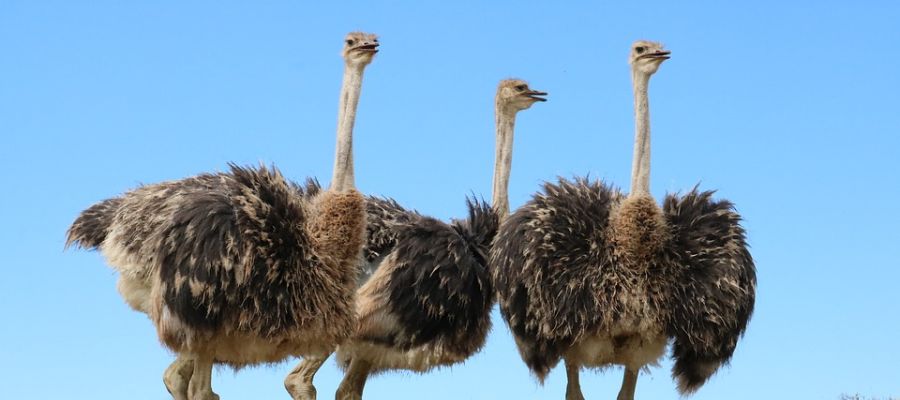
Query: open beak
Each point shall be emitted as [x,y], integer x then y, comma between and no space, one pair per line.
[536,95]
[659,55]
[368,48]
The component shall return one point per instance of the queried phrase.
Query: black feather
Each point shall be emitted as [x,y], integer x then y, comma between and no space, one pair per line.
[559,277]
[715,285]
[440,288]
[382,214]
[547,261]
[243,244]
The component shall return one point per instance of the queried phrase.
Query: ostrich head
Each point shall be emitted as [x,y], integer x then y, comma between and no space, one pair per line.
[647,56]
[360,48]
[515,95]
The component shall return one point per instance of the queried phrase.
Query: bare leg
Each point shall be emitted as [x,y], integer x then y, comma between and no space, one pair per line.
[354,382]
[573,387]
[200,387]
[299,383]
[628,384]
[177,377]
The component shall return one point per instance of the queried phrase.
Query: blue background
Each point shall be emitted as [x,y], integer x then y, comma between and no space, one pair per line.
[789,110]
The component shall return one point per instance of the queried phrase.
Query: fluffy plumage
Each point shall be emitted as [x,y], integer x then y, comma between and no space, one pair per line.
[431,283]
[382,214]
[560,277]
[549,263]
[89,230]
[238,254]
[715,285]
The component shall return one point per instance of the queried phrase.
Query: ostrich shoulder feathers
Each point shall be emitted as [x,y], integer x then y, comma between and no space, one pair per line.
[714,284]
[547,262]
[225,251]
[235,254]
[382,214]
[439,288]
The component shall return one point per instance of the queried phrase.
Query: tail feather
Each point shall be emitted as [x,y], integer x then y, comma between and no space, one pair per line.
[481,226]
[91,227]
[692,370]
[541,355]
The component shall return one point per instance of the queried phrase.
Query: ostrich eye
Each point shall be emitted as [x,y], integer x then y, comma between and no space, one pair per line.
[521,87]
[640,49]
[349,42]
[375,40]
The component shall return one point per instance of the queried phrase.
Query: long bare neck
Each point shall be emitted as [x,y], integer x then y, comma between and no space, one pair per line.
[343,179]
[506,122]
[640,167]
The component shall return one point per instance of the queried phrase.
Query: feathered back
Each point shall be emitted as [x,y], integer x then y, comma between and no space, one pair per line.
[546,262]
[715,285]
[91,227]
[219,237]
[236,256]
[440,289]
[382,214]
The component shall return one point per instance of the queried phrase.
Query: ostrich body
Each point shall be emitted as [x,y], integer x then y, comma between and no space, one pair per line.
[427,302]
[240,267]
[593,277]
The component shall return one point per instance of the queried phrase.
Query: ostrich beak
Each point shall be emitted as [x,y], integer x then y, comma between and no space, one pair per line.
[536,95]
[368,48]
[659,55]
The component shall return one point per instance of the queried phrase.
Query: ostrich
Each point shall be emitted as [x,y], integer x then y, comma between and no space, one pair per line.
[589,276]
[240,267]
[427,302]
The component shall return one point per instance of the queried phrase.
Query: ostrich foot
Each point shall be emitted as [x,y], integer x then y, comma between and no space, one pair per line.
[299,383]
[177,377]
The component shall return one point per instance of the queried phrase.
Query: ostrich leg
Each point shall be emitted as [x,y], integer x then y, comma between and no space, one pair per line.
[354,382]
[177,377]
[200,387]
[628,384]
[573,386]
[299,383]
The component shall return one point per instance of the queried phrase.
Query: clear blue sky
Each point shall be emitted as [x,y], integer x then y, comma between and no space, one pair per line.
[791,111]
